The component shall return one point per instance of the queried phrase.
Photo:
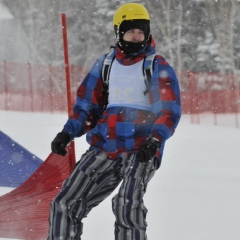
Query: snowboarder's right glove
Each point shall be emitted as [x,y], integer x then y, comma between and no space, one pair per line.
[59,143]
[148,149]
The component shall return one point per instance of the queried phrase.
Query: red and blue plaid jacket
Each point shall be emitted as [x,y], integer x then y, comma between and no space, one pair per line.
[118,130]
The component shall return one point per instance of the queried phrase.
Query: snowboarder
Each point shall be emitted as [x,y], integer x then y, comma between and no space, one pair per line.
[127,113]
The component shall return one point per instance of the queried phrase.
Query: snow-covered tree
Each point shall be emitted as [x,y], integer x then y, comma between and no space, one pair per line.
[197,35]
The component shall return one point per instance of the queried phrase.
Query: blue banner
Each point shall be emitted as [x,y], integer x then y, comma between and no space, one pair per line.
[16,163]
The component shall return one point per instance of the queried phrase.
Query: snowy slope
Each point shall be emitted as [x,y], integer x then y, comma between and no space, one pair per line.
[194,195]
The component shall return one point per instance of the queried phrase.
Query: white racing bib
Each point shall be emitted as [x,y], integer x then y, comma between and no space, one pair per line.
[126,86]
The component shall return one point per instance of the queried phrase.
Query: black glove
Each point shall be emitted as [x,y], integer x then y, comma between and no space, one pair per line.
[59,143]
[148,149]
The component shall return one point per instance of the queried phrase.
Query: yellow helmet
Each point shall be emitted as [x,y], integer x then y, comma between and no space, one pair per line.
[130,11]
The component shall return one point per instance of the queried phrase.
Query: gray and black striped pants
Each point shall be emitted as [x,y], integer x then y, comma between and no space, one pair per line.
[93,179]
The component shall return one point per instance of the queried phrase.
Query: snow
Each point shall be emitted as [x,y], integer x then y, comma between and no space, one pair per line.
[193,196]
[4,13]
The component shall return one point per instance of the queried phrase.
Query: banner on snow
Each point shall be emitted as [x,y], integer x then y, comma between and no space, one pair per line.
[16,163]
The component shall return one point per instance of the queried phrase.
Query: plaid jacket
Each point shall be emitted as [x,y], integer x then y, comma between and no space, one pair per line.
[118,130]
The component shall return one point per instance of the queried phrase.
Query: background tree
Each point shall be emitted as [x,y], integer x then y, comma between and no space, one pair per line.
[222,22]
[196,35]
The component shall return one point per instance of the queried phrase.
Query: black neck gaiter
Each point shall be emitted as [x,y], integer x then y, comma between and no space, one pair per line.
[132,47]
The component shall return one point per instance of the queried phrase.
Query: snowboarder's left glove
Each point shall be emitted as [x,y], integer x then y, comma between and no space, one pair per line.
[148,149]
[59,143]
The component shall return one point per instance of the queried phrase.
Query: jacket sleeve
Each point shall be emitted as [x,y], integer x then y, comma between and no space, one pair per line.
[165,99]
[90,102]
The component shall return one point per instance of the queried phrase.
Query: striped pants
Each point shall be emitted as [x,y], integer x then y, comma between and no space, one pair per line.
[93,179]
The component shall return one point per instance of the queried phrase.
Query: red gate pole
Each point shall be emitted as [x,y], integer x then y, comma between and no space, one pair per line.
[51,87]
[71,149]
[5,83]
[30,84]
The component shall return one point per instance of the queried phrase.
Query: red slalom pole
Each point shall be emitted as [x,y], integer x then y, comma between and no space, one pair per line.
[71,149]
[66,60]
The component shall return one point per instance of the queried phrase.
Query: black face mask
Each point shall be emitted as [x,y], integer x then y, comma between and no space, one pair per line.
[132,47]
